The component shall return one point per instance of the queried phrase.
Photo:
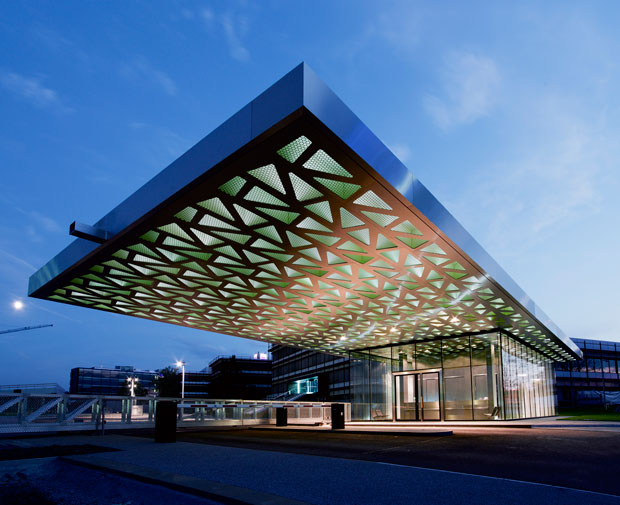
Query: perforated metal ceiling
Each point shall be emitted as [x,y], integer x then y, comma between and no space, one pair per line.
[296,242]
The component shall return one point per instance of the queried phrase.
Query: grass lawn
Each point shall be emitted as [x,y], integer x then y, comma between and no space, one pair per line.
[587,415]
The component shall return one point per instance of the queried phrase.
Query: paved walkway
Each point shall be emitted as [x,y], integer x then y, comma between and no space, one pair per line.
[254,476]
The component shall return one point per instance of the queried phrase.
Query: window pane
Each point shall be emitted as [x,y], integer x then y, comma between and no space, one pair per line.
[455,352]
[457,393]
[428,355]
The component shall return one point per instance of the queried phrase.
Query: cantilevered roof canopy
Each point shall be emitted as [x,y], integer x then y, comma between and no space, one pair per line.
[292,223]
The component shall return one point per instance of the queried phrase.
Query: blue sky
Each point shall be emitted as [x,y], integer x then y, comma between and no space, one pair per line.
[510,114]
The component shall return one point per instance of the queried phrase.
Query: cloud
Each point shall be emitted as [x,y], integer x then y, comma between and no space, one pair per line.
[141,69]
[470,84]
[18,261]
[31,90]
[234,29]
[401,27]
[554,176]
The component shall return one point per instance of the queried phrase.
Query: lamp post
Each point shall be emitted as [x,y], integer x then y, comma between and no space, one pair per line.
[133,382]
[182,365]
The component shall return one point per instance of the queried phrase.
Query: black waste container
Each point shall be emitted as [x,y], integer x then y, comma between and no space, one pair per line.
[337,416]
[281,416]
[166,422]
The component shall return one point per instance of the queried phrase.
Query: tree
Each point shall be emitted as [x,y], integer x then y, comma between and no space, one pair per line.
[168,382]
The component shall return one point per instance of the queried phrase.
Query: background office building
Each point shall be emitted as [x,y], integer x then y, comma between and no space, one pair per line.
[308,375]
[240,377]
[593,380]
[109,381]
[197,384]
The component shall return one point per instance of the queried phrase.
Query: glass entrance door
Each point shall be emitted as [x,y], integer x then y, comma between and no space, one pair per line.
[407,408]
[417,397]
[430,397]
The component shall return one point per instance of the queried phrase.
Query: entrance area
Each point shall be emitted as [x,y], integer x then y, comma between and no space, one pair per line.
[417,396]
[480,377]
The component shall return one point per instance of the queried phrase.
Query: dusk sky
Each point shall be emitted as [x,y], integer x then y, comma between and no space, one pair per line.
[509,114]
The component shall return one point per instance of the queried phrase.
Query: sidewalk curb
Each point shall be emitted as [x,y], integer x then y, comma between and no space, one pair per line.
[433,433]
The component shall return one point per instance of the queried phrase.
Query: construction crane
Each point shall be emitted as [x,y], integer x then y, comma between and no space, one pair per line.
[25,328]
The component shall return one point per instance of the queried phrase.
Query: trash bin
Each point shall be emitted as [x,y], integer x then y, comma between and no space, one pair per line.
[166,421]
[281,416]
[337,416]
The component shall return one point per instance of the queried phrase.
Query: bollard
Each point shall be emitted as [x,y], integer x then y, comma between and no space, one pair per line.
[166,421]
[281,416]
[337,416]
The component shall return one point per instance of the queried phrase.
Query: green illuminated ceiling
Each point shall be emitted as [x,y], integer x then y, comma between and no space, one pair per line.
[303,246]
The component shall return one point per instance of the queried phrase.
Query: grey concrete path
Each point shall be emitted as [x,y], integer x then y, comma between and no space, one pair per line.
[323,480]
[542,422]
[413,431]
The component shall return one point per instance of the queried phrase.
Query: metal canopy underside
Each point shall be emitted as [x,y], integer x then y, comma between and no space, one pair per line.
[295,239]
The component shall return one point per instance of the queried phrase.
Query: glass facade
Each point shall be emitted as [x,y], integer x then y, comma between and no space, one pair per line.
[592,381]
[479,377]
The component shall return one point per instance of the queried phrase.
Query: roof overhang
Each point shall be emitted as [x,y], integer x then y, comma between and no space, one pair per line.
[292,223]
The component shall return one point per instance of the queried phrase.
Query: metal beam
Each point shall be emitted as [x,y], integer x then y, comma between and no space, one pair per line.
[88,232]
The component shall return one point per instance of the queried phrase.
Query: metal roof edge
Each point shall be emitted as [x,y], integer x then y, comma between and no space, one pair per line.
[300,87]
[274,104]
[336,115]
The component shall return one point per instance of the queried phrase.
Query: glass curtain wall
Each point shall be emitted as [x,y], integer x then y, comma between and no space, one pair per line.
[482,377]
[528,382]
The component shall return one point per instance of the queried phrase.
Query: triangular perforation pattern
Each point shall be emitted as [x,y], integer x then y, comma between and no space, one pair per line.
[305,249]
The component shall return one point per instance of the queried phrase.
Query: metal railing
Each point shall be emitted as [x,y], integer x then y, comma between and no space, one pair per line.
[38,413]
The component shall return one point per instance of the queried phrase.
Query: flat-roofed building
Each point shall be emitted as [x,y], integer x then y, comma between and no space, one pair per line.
[293,224]
[593,380]
[109,381]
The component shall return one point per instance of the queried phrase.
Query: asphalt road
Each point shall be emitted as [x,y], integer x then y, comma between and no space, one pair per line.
[587,460]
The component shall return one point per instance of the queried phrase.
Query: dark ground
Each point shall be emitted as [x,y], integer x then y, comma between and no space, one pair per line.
[11,452]
[588,460]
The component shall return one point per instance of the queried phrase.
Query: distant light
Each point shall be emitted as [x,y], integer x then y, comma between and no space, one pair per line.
[394,329]
[260,355]
[18,305]
[180,363]
[343,338]
[454,320]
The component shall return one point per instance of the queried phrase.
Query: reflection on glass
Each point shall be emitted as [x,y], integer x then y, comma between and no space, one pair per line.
[528,381]
[486,377]
[404,358]
[406,398]
[359,377]
[483,377]
[428,355]
[455,352]
[457,393]
[430,396]
[380,385]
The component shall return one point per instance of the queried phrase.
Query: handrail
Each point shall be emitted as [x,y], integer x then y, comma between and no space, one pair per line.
[35,412]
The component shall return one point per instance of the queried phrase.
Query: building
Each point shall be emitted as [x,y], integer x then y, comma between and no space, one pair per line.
[109,381]
[197,384]
[47,388]
[593,380]
[241,377]
[293,224]
[309,375]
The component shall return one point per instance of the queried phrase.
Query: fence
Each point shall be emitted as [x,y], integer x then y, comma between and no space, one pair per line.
[39,413]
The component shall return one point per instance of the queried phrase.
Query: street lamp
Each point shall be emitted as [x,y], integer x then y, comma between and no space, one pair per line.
[181,364]
[133,382]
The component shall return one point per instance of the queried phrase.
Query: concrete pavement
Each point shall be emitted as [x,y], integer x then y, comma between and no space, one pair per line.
[317,479]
